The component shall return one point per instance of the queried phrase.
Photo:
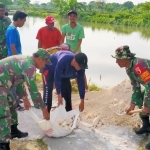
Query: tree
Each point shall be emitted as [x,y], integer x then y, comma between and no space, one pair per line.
[100,4]
[6,2]
[25,4]
[128,4]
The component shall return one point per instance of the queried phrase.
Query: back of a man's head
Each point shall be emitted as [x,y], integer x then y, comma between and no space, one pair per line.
[19,15]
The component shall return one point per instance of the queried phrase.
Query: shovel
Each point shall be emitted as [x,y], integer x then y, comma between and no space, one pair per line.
[124,112]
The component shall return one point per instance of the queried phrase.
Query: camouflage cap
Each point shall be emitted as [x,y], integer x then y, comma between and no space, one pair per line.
[43,54]
[123,52]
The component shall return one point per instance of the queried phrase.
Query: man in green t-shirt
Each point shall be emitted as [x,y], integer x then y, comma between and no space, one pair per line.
[73,32]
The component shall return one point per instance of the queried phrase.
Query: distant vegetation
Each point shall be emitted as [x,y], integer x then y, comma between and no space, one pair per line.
[98,11]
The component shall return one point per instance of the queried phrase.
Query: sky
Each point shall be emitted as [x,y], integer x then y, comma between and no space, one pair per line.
[108,1]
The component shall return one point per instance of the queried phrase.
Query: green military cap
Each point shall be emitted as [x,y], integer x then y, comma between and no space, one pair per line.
[123,52]
[43,54]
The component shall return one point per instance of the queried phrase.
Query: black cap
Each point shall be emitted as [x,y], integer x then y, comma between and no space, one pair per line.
[72,12]
[82,60]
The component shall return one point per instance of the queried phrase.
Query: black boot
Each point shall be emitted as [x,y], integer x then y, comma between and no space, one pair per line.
[147,146]
[15,133]
[4,146]
[145,127]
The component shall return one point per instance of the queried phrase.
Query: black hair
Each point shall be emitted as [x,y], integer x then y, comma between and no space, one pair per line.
[6,13]
[2,5]
[35,55]
[19,15]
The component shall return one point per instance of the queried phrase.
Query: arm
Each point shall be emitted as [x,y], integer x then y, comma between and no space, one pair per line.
[81,87]
[137,97]
[63,35]
[13,49]
[81,36]
[78,46]
[29,74]
[39,44]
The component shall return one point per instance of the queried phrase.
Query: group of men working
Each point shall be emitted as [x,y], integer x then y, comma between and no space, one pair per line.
[57,69]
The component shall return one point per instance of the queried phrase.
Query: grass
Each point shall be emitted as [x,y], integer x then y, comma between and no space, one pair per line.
[92,87]
[41,143]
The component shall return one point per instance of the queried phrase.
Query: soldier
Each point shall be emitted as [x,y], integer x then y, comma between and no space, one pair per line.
[14,71]
[138,70]
[4,23]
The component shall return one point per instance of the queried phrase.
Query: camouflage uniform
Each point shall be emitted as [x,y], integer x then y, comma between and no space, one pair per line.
[14,71]
[139,74]
[4,23]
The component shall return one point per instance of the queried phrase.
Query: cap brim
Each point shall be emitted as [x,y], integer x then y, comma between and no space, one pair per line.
[82,66]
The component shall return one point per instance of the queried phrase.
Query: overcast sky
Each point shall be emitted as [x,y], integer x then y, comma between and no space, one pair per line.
[108,1]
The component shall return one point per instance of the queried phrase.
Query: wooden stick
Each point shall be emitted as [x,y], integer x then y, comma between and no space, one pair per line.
[135,111]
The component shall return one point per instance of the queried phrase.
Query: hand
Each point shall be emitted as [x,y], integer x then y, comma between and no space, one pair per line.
[145,110]
[81,106]
[27,104]
[132,106]
[46,115]
[60,101]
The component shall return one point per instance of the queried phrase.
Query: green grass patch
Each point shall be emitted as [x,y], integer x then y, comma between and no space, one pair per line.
[92,87]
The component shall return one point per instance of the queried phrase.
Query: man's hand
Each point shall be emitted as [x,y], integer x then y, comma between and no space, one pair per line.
[132,106]
[81,106]
[146,110]
[46,115]
[27,104]
[60,101]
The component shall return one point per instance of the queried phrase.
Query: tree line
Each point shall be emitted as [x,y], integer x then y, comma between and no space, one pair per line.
[98,11]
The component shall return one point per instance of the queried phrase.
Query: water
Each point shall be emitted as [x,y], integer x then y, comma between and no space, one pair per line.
[99,44]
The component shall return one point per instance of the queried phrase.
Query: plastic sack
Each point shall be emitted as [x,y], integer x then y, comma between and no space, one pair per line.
[51,128]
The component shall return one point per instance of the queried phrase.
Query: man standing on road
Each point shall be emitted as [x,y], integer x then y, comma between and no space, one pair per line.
[138,70]
[14,71]
[13,42]
[4,23]
[66,64]
[73,32]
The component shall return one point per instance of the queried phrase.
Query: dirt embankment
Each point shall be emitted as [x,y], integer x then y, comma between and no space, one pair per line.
[103,103]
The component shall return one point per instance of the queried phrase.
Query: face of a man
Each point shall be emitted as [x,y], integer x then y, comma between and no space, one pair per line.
[21,22]
[121,62]
[72,18]
[39,62]
[50,25]
[2,12]
[76,65]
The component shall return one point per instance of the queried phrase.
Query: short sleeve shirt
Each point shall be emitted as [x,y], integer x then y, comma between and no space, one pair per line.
[73,35]
[13,37]
[49,38]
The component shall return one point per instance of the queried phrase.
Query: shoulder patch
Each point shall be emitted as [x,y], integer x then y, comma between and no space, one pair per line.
[142,72]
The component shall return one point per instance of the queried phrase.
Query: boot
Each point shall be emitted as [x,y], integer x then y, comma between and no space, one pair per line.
[145,127]
[4,146]
[15,133]
[147,146]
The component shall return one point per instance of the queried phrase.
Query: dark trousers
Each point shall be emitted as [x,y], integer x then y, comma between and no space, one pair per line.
[66,89]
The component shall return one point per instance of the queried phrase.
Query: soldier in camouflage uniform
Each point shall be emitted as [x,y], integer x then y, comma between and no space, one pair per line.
[4,23]
[138,70]
[14,71]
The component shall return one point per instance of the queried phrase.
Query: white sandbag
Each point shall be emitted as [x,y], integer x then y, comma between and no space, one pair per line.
[61,122]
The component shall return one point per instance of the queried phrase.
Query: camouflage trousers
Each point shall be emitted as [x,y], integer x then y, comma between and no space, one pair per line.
[8,114]
[3,52]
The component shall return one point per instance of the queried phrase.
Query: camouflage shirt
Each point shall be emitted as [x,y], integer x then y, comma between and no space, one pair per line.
[4,23]
[17,69]
[139,74]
